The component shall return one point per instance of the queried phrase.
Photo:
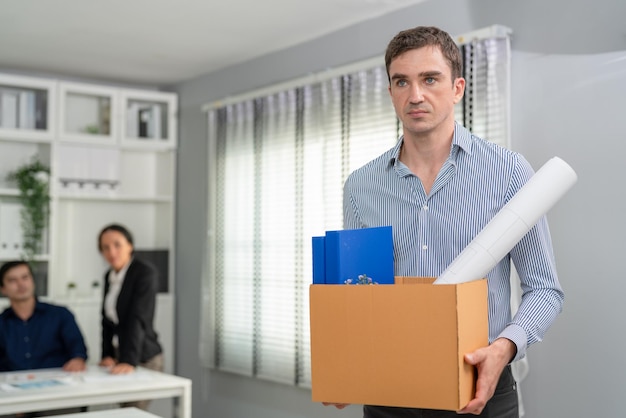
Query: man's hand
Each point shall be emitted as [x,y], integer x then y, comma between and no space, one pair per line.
[122,368]
[336,405]
[490,361]
[75,365]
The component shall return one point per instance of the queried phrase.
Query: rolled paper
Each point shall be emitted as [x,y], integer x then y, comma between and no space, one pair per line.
[511,223]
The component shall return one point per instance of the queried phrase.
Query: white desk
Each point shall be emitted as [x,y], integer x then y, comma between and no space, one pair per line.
[111,413]
[93,387]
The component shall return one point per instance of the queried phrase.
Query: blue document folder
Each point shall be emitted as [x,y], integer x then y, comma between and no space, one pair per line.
[347,254]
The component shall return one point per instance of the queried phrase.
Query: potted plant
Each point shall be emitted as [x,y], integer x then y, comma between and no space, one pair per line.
[33,183]
[71,290]
[95,288]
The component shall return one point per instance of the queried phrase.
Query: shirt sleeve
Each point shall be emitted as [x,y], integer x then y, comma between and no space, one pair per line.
[4,358]
[350,209]
[108,327]
[132,332]
[72,337]
[542,296]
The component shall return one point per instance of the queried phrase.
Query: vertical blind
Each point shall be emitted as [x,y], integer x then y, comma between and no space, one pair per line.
[278,164]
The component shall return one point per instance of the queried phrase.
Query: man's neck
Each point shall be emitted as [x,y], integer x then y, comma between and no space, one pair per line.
[424,155]
[24,308]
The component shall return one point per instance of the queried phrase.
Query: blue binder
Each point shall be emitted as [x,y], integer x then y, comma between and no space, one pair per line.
[347,254]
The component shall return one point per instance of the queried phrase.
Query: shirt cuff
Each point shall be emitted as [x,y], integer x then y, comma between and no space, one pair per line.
[516,334]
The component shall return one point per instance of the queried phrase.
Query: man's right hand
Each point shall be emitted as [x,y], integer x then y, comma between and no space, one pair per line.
[336,405]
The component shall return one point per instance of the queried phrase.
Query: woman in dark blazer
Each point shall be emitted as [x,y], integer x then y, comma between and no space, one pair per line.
[130,289]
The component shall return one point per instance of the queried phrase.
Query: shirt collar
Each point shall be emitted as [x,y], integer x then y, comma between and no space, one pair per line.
[461,140]
[118,277]
[39,307]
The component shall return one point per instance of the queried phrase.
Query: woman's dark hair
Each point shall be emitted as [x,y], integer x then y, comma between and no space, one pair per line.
[10,265]
[118,228]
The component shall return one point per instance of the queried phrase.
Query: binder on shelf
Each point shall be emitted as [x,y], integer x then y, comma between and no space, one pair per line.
[155,124]
[347,254]
[144,122]
[27,111]
[85,170]
[132,120]
[11,234]
[41,110]
[9,108]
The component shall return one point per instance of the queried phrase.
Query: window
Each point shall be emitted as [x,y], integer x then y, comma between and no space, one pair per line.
[278,165]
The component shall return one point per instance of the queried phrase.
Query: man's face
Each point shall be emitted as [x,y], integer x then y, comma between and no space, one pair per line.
[422,91]
[18,284]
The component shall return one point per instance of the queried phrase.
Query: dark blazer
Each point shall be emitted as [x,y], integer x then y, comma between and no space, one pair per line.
[136,302]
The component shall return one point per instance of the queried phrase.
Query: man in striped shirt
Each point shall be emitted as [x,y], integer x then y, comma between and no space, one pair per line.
[438,187]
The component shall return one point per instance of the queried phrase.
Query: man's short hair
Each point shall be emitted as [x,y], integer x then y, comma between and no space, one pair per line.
[420,37]
[10,265]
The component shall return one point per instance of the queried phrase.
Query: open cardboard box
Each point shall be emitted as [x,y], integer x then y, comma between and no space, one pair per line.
[397,345]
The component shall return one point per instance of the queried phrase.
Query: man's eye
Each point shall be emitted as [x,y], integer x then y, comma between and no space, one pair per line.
[430,80]
[401,83]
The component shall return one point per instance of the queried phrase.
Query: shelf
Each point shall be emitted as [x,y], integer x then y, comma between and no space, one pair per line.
[138,145]
[37,258]
[9,135]
[9,192]
[130,199]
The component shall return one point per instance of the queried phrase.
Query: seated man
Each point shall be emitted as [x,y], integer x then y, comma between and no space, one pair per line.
[33,334]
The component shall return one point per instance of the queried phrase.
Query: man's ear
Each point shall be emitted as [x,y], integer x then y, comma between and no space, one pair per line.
[459,89]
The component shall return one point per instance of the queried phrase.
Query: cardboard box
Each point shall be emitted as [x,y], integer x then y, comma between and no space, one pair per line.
[397,345]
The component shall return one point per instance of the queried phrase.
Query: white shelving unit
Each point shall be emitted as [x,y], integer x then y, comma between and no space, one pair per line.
[112,157]
[27,132]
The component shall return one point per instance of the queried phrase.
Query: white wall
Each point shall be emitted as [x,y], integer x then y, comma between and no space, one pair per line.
[572,106]
[565,105]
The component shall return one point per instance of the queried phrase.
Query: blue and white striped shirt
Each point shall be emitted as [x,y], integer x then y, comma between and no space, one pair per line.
[429,231]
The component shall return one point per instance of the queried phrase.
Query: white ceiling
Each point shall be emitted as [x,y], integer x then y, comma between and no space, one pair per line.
[164,41]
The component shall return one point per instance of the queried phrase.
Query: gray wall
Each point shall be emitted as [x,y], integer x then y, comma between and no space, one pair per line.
[568,80]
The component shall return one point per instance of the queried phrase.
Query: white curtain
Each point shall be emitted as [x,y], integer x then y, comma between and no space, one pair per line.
[281,161]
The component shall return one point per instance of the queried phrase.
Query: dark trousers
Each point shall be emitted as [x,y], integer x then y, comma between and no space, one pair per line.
[503,404]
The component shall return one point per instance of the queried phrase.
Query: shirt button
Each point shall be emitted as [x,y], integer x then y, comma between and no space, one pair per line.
[425,207]
[25,339]
[27,355]
[424,247]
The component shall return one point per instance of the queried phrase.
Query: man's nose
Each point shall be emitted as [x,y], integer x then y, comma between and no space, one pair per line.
[416,95]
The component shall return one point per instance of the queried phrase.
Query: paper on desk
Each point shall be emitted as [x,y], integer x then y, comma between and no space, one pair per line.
[35,384]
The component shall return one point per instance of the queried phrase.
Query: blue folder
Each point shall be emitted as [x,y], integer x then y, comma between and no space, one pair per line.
[347,254]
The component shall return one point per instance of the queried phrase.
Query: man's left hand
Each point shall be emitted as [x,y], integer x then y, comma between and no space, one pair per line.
[489,361]
[75,365]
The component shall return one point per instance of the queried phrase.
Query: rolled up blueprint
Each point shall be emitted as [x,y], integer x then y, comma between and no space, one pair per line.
[511,223]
